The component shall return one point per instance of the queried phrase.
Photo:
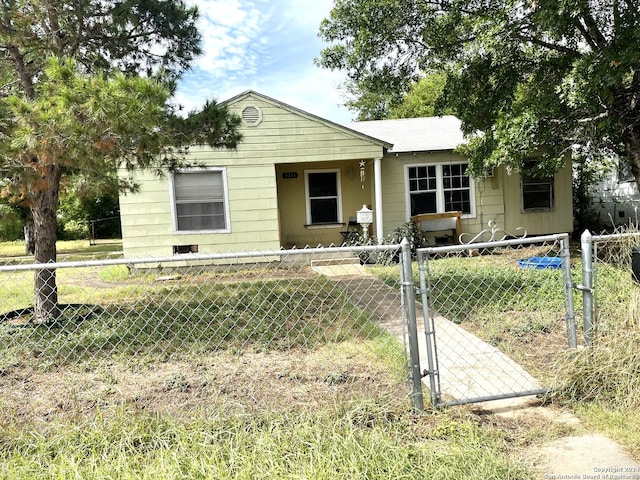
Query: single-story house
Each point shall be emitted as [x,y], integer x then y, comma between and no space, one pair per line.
[297,179]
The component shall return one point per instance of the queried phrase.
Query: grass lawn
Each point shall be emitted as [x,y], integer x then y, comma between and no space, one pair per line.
[212,377]
[364,438]
[66,248]
[209,375]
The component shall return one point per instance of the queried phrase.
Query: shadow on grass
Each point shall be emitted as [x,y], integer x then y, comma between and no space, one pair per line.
[183,320]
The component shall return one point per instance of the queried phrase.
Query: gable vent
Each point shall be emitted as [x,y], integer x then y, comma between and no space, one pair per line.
[251,115]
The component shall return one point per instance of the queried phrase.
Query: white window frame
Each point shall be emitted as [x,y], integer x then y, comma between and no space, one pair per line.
[439,188]
[308,198]
[174,211]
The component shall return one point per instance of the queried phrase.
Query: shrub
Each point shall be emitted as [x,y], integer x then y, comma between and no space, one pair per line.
[411,232]
[11,225]
[74,230]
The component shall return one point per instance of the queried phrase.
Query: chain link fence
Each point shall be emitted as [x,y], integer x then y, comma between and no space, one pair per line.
[611,294]
[276,329]
[496,315]
[261,330]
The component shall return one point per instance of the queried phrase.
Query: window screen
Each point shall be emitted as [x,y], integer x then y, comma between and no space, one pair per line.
[537,193]
[199,198]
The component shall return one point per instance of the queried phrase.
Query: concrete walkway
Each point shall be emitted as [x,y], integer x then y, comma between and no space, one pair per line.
[469,368]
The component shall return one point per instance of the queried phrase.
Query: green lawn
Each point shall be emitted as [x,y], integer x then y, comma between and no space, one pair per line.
[66,248]
[211,377]
[362,439]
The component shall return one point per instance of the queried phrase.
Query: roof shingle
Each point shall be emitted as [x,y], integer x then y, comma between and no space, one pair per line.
[414,134]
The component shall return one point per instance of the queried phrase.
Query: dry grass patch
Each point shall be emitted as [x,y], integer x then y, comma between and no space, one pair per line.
[264,381]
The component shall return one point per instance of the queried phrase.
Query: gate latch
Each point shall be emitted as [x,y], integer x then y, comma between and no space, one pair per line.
[582,288]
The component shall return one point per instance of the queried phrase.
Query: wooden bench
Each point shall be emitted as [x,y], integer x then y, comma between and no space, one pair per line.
[456,223]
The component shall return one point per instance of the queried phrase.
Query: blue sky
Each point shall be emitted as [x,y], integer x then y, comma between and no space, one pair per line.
[263,45]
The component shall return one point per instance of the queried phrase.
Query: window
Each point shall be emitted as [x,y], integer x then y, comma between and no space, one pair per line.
[456,188]
[440,188]
[537,192]
[323,197]
[200,200]
[424,189]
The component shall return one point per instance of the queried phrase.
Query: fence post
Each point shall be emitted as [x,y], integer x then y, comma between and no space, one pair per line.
[92,232]
[429,331]
[412,327]
[568,292]
[587,285]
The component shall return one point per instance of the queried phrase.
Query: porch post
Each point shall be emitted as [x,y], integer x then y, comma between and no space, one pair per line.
[377,178]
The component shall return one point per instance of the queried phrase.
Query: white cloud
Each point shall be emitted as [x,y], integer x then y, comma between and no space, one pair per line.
[264,45]
[229,29]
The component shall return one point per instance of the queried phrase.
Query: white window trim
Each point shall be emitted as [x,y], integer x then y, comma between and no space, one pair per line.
[308,199]
[439,188]
[172,200]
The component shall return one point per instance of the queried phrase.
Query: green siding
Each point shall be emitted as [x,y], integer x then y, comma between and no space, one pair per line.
[488,192]
[268,211]
[497,198]
[258,199]
[147,222]
[394,186]
[558,220]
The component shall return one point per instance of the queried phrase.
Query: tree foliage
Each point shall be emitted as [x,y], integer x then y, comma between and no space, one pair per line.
[536,77]
[379,102]
[86,212]
[85,88]
[423,99]
[133,36]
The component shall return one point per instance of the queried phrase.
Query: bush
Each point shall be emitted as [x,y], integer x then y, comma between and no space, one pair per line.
[11,226]
[408,230]
[74,230]
[411,232]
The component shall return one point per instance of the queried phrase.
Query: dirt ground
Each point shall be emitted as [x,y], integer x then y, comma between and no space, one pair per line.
[264,381]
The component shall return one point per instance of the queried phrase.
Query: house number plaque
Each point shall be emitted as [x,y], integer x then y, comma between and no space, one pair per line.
[289,174]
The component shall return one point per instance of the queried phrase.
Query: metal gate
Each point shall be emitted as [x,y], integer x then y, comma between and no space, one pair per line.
[495,316]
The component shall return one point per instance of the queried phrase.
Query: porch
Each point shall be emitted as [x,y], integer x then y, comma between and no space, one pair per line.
[318,201]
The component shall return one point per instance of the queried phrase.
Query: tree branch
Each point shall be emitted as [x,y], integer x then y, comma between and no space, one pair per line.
[600,116]
[594,31]
[21,68]
[585,34]
[54,29]
[548,45]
